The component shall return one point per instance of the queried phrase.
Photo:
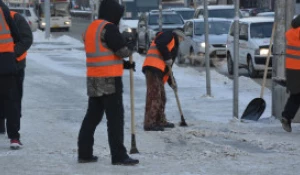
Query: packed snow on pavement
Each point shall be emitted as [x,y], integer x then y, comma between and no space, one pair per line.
[55,103]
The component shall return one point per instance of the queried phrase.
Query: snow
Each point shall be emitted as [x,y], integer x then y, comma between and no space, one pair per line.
[55,103]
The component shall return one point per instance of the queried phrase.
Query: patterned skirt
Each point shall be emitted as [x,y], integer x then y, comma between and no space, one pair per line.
[155,101]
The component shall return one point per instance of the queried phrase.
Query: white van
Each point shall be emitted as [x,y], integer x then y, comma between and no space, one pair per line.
[216,11]
[254,34]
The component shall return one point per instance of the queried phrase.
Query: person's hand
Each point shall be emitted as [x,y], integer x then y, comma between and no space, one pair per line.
[173,85]
[128,65]
[169,62]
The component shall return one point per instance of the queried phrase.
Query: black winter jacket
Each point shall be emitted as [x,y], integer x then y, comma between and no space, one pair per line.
[161,42]
[26,38]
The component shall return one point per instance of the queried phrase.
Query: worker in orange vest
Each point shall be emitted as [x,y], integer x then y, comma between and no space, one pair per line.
[20,49]
[160,57]
[8,69]
[292,66]
[105,49]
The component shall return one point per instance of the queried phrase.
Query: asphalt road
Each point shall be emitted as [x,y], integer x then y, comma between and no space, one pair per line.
[79,25]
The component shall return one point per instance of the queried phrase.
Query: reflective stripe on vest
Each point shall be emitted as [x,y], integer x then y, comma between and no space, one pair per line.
[155,59]
[292,60]
[100,60]
[6,40]
[23,56]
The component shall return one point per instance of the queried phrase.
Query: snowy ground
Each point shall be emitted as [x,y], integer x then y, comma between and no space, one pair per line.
[55,102]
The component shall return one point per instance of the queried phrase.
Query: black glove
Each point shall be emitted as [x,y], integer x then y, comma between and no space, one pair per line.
[171,83]
[128,65]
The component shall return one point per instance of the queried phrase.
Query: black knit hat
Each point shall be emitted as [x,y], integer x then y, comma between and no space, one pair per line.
[296,22]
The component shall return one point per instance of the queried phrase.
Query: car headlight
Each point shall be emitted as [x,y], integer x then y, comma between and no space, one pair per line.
[263,51]
[43,23]
[129,30]
[67,22]
[202,44]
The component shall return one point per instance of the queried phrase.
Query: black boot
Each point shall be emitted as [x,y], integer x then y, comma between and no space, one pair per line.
[286,124]
[126,161]
[168,125]
[2,126]
[88,160]
[154,128]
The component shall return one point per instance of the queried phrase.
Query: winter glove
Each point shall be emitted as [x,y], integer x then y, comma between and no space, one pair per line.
[169,62]
[128,65]
[171,83]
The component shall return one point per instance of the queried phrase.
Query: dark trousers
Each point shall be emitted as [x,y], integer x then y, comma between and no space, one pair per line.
[291,107]
[9,105]
[19,82]
[112,105]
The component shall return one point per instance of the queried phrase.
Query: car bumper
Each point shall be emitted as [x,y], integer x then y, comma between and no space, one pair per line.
[260,62]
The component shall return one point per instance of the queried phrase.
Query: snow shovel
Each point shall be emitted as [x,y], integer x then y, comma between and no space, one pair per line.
[257,106]
[182,122]
[133,149]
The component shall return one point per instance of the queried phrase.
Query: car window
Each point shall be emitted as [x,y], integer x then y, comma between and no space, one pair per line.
[166,19]
[188,27]
[21,11]
[215,27]
[243,30]
[221,13]
[188,14]
[261,30]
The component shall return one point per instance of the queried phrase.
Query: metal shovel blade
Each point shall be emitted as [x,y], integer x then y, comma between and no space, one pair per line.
[254,109]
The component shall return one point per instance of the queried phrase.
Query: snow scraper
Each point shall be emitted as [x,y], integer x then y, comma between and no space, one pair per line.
[257,106]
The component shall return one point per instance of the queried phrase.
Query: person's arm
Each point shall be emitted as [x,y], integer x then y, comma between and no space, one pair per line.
[11,24]
[161,42]
[26,35]
[115,41]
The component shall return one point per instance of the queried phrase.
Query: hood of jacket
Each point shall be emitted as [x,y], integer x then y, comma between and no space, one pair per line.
[111,11]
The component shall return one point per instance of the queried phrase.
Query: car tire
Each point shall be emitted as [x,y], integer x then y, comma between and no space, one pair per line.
[180,58]
[251,70]
[138,49]
[192,56]
[229,64]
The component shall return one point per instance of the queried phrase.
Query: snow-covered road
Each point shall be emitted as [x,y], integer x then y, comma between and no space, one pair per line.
[55,102]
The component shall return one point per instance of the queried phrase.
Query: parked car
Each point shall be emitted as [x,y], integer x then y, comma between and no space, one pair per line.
[29,14]
[266,14]
[254,41]
[148,26]
[255,11]
[185,12]
[193,47]
[216,11]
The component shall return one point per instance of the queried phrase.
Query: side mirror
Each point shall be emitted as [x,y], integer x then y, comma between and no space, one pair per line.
[244,37]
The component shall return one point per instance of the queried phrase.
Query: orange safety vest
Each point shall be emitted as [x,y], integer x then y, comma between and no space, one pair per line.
[292,60]
[23,56]
[100,60]
[155,59]
[6,40]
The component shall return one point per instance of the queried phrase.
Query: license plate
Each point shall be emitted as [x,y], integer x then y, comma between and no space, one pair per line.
[221,52]
[55,26]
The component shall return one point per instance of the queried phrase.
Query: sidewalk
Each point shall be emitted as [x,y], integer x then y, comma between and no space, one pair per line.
[55,103]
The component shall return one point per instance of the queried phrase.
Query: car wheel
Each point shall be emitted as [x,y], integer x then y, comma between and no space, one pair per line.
[180,58]
[139,50]
[251,70]
[229,64]
[192,56]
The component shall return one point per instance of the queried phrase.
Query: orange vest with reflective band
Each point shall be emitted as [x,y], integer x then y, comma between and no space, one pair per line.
[100,60]
[23,56]
[6,40]
[155,59]
[292,60]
